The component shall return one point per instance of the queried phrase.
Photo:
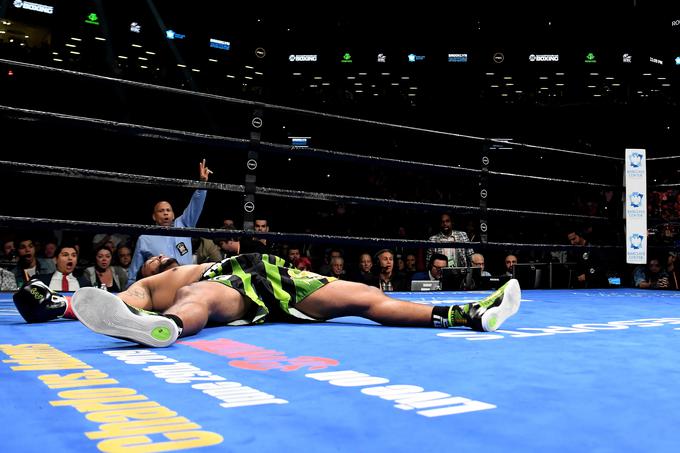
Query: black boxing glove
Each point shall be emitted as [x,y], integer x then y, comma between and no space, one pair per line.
[36,302]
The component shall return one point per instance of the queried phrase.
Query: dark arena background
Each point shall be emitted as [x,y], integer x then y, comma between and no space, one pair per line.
[351,129]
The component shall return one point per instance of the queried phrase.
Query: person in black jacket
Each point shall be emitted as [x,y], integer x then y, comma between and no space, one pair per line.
[591,269]
[389,278]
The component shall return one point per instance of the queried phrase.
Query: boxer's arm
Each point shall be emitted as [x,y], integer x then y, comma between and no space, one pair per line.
[138,295]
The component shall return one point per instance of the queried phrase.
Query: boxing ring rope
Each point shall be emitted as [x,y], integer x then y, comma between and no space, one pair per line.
[157,133]
[286,109]
[662,158]
[70,172]
[171,134]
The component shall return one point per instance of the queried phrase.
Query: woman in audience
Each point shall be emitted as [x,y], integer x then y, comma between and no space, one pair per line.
[103,275]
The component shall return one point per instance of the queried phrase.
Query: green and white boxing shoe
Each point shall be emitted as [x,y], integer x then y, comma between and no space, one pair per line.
[489,313]
[106,313]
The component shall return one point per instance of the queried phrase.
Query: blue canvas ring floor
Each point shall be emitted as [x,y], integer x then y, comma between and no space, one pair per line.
[573,371]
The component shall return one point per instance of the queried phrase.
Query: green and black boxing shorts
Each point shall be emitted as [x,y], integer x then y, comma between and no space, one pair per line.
[273,287]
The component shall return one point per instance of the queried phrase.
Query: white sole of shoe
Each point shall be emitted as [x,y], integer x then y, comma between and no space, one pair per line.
[106,313]
[494,317]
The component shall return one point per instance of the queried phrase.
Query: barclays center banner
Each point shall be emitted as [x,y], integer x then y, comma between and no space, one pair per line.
[636,206]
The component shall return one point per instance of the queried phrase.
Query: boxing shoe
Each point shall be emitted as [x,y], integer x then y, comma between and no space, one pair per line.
[106,313]
[489,313]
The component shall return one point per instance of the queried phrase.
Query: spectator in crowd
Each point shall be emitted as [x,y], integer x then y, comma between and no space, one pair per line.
[478,261]
[28,264]
[672,271]
[112,241]
[410,264]
[50,249]
[457,257]
[8,247]
[103,275]
[651,276]
[262,226]
[365,273]
[233,245]
[510,261]
[325,268]
[471,230]
[338,268]
[205,251]
[590,268]
[9,252]
[400,250]
[62,279]
[124,255]
[7,280]
[226,248]
[388,278]
[437,262]
[176,247]
[82,262]
[401,264]
[294,254]
[304,264]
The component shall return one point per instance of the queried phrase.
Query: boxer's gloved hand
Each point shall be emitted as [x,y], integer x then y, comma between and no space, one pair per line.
[36,302]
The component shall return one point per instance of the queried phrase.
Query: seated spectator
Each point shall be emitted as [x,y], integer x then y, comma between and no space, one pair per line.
[294,254]
[388,278]
[471,231]
[438,261]
[478,261]
[124,255]
[304,264]
[233,245]
[510,261]
[63,279]
[338,268]
[205,251]
[110,241]
[28,264]
[50,250]
[103,275]
[410,264]
[8,247]
[401,264]
[364,274]
[262,226]
[325,268]
[7,280]
[9,253]
[651,276]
